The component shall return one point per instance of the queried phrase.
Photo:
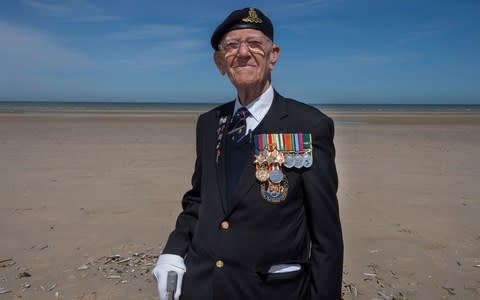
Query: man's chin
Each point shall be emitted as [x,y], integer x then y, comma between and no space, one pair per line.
[246,71]
[244,79]
[245,82]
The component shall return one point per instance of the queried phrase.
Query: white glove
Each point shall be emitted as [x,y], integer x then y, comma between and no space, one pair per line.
[165,263]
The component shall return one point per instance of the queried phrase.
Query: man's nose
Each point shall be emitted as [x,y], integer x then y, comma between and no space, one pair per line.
[243,50]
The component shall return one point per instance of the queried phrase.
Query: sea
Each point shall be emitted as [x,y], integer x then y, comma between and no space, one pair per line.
[196,108]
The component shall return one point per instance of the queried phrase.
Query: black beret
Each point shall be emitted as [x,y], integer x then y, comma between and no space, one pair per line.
[241,19]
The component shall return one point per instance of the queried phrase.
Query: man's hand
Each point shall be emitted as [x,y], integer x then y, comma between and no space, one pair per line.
[165,263]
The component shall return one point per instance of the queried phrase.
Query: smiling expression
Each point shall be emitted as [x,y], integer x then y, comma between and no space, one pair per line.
[250,65]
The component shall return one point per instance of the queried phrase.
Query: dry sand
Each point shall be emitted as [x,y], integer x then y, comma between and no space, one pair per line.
[77,190]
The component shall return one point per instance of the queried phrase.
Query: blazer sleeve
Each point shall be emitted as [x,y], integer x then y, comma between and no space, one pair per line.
[320,188]
[179,240]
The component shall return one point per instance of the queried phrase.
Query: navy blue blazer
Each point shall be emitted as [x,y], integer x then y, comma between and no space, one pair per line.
[229,249]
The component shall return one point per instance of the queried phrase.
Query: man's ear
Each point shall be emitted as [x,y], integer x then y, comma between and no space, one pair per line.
[274,55]
[220,62]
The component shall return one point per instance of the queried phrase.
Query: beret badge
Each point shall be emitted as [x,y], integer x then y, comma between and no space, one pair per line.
[252,17]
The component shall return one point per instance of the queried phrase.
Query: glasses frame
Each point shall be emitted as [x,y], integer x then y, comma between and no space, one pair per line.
[248,42]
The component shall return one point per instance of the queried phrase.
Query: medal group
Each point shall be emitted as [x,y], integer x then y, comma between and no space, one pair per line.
[273,151]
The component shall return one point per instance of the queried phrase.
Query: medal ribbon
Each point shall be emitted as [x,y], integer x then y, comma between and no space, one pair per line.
[284,142]
[280,144]
[296,142]
[258,144]
[264,141]
[307,141]
[300,141]
[287,142]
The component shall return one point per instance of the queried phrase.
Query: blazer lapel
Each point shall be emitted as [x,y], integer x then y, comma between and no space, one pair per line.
[270,124]
[220,163]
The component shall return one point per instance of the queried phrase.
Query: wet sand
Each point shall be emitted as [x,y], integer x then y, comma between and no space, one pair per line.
[78,189]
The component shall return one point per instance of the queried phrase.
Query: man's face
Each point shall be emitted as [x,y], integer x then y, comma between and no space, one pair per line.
[247,56]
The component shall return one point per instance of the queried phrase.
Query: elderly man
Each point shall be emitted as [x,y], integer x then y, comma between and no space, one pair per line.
[261,220]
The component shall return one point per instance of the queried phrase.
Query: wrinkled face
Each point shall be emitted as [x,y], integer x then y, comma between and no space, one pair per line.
[247,56]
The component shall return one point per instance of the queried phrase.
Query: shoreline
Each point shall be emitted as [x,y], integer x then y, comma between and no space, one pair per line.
[340,118]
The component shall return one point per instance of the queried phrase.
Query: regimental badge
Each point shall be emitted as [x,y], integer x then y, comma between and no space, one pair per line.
[273,151]
[252,17]
[220,130]
[274,192]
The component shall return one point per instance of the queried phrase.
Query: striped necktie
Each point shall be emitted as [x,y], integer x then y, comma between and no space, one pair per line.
[238,125]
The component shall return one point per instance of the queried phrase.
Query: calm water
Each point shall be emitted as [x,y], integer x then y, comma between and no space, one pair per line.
[112,107]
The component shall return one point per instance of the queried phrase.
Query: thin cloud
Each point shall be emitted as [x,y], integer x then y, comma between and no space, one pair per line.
[25,50]
[364,59]
[419,35]
[95,19]
[369,59]
[48,8]
[168,45]
[341,62]
[302,7]
[302,29]
[184,44]
[312,3]
[70,10]
[155,31]
[37,66]
[170,53]
[295,13]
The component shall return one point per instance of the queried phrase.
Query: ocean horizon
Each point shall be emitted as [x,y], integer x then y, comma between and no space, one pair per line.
[166,107]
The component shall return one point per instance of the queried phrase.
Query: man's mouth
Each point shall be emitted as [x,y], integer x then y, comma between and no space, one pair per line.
[244,66]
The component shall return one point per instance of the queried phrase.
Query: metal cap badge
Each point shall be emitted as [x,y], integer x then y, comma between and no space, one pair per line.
[252,17]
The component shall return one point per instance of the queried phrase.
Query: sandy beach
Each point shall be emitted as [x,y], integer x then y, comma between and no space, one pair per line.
[87,202]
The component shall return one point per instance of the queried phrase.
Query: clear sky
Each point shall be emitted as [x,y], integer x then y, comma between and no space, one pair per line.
[332,51]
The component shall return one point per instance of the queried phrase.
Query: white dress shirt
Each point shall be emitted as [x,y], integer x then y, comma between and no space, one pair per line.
[258,108]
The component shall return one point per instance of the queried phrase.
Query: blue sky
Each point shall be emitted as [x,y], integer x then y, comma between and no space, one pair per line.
[332,51]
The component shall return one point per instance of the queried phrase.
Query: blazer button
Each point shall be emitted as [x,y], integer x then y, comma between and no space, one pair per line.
[225,225]
[219,263]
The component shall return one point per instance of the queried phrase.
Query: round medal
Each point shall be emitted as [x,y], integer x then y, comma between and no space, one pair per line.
[289,161]
[307,160]
[262,175]
[276,176]
[298,161]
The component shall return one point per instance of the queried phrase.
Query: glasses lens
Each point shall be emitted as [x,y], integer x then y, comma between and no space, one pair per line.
[254,44]
[231,46]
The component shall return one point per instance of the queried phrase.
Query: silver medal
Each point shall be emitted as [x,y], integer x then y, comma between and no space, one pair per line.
[298,161]
[307,160]
[289,161]
[276,176]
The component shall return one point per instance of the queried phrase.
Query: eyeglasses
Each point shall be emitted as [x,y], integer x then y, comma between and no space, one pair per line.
[254,44]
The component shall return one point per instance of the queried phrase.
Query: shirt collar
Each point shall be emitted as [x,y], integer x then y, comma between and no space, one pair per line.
[259,107]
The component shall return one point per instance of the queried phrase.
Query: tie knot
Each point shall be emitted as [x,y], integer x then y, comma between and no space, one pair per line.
[242,112]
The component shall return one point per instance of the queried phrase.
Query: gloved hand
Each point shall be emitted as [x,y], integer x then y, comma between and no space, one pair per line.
[165,263]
